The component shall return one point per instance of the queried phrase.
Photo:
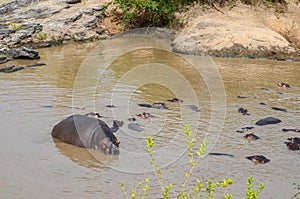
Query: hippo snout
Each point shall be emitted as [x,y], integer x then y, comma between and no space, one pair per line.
[108,147]
[114,150]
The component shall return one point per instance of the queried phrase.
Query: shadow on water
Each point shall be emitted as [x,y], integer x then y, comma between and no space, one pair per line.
[85,157]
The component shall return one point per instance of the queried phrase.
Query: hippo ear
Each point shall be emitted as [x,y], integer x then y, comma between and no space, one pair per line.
[117,123]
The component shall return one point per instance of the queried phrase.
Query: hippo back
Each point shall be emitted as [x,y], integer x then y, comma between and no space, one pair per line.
[82,131]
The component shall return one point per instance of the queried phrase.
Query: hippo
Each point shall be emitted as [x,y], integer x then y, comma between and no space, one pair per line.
[145,115]
[221,154]
[177,100]
[110,106]
[247,128]
[135,127]
[262,103]
[132,119]
[279,109]
[95,115]
[292,146]
[145,105]
[88,132]
[243,111]
[294,140]
[251,136]
[283,85]
[268,120]
[258,159]
[193,107]
[158,105]
[287,130]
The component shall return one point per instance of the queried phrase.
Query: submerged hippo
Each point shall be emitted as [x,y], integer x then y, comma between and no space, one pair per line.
[268,120]
[251,136]
[158,105]
[88,132]
[258,159]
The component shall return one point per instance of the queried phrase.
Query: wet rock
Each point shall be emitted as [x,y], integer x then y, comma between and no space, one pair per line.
[35,65]
[23,53]
[11,69]
[268,120]
[3,60]
[185,44]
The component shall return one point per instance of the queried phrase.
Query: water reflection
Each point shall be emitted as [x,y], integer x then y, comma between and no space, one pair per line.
[84,157]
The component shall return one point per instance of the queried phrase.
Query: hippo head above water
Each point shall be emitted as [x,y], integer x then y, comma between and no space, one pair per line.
[87,132]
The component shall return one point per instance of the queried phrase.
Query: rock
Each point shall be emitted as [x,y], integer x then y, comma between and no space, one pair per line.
[268,120]
[239,32]
[185,44]
[37,27]
[6,31]
[35,13]
[98,7]
[35,65]
[90,22]
[23,53]
[11,69]
[13,5]
[3,60]
[73,18]
[286,27]
[88,11]
[72,1]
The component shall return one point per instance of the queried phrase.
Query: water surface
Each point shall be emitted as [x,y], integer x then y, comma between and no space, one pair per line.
[80,78]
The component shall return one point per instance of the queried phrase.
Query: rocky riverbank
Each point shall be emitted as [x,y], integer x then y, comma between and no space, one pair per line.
[238,32]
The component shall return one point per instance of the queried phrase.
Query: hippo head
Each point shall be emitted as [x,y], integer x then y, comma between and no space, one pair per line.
[108,147]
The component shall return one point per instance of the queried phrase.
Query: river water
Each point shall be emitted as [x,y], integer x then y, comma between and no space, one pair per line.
[81,78]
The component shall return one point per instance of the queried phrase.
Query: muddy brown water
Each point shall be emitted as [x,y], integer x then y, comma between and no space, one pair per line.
[80,78]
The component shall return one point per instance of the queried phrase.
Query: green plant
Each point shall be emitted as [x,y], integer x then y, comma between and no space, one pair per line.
[196,191]
[138,13]
[251,194]
[15,26]
[42,36]
[297,187]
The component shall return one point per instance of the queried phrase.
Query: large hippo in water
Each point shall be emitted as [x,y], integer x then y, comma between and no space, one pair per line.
[88,132]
